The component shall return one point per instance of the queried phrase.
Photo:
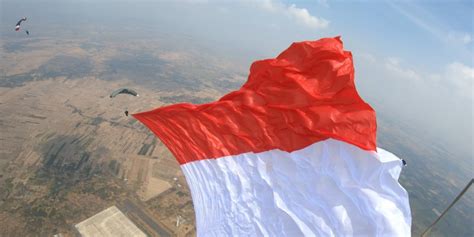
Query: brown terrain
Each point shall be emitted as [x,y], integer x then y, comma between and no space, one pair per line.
[67,151]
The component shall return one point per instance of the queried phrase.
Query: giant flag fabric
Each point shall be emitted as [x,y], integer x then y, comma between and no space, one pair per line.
[291,153]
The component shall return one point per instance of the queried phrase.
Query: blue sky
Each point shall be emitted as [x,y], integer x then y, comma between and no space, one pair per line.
[442,31]
[414,59]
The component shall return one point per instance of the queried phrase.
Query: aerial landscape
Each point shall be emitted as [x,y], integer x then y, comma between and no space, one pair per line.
[80,145]
[68,152]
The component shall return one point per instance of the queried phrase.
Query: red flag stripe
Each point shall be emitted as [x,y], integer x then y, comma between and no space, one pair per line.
[305,95]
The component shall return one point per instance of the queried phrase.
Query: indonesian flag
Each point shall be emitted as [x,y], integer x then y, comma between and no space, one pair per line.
[292,153]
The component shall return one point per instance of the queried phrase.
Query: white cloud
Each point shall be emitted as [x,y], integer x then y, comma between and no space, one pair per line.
[303,16]
[323,3]
[300,15]
[394,66]
[418,21]
[455,77]
[466,39]
[459,37]
[367,57]
[461,77]
[426,21]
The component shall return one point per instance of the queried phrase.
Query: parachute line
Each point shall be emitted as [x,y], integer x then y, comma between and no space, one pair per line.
[447,209]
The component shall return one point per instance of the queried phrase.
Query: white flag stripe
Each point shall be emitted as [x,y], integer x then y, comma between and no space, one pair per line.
[330,188]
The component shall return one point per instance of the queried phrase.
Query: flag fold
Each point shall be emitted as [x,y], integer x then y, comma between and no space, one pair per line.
[292,152]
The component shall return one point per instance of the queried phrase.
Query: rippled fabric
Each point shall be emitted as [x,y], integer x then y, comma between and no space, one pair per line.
[291,153]
[330,188]
[306,94]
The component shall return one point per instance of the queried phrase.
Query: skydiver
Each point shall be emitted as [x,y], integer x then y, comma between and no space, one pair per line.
[27,32]
[123,91]
[17,26]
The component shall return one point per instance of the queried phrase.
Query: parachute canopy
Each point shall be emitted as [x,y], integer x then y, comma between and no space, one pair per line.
[17,27]
[123,91]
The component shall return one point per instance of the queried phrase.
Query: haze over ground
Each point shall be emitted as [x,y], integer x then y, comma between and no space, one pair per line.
[415,56]
[413,60]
